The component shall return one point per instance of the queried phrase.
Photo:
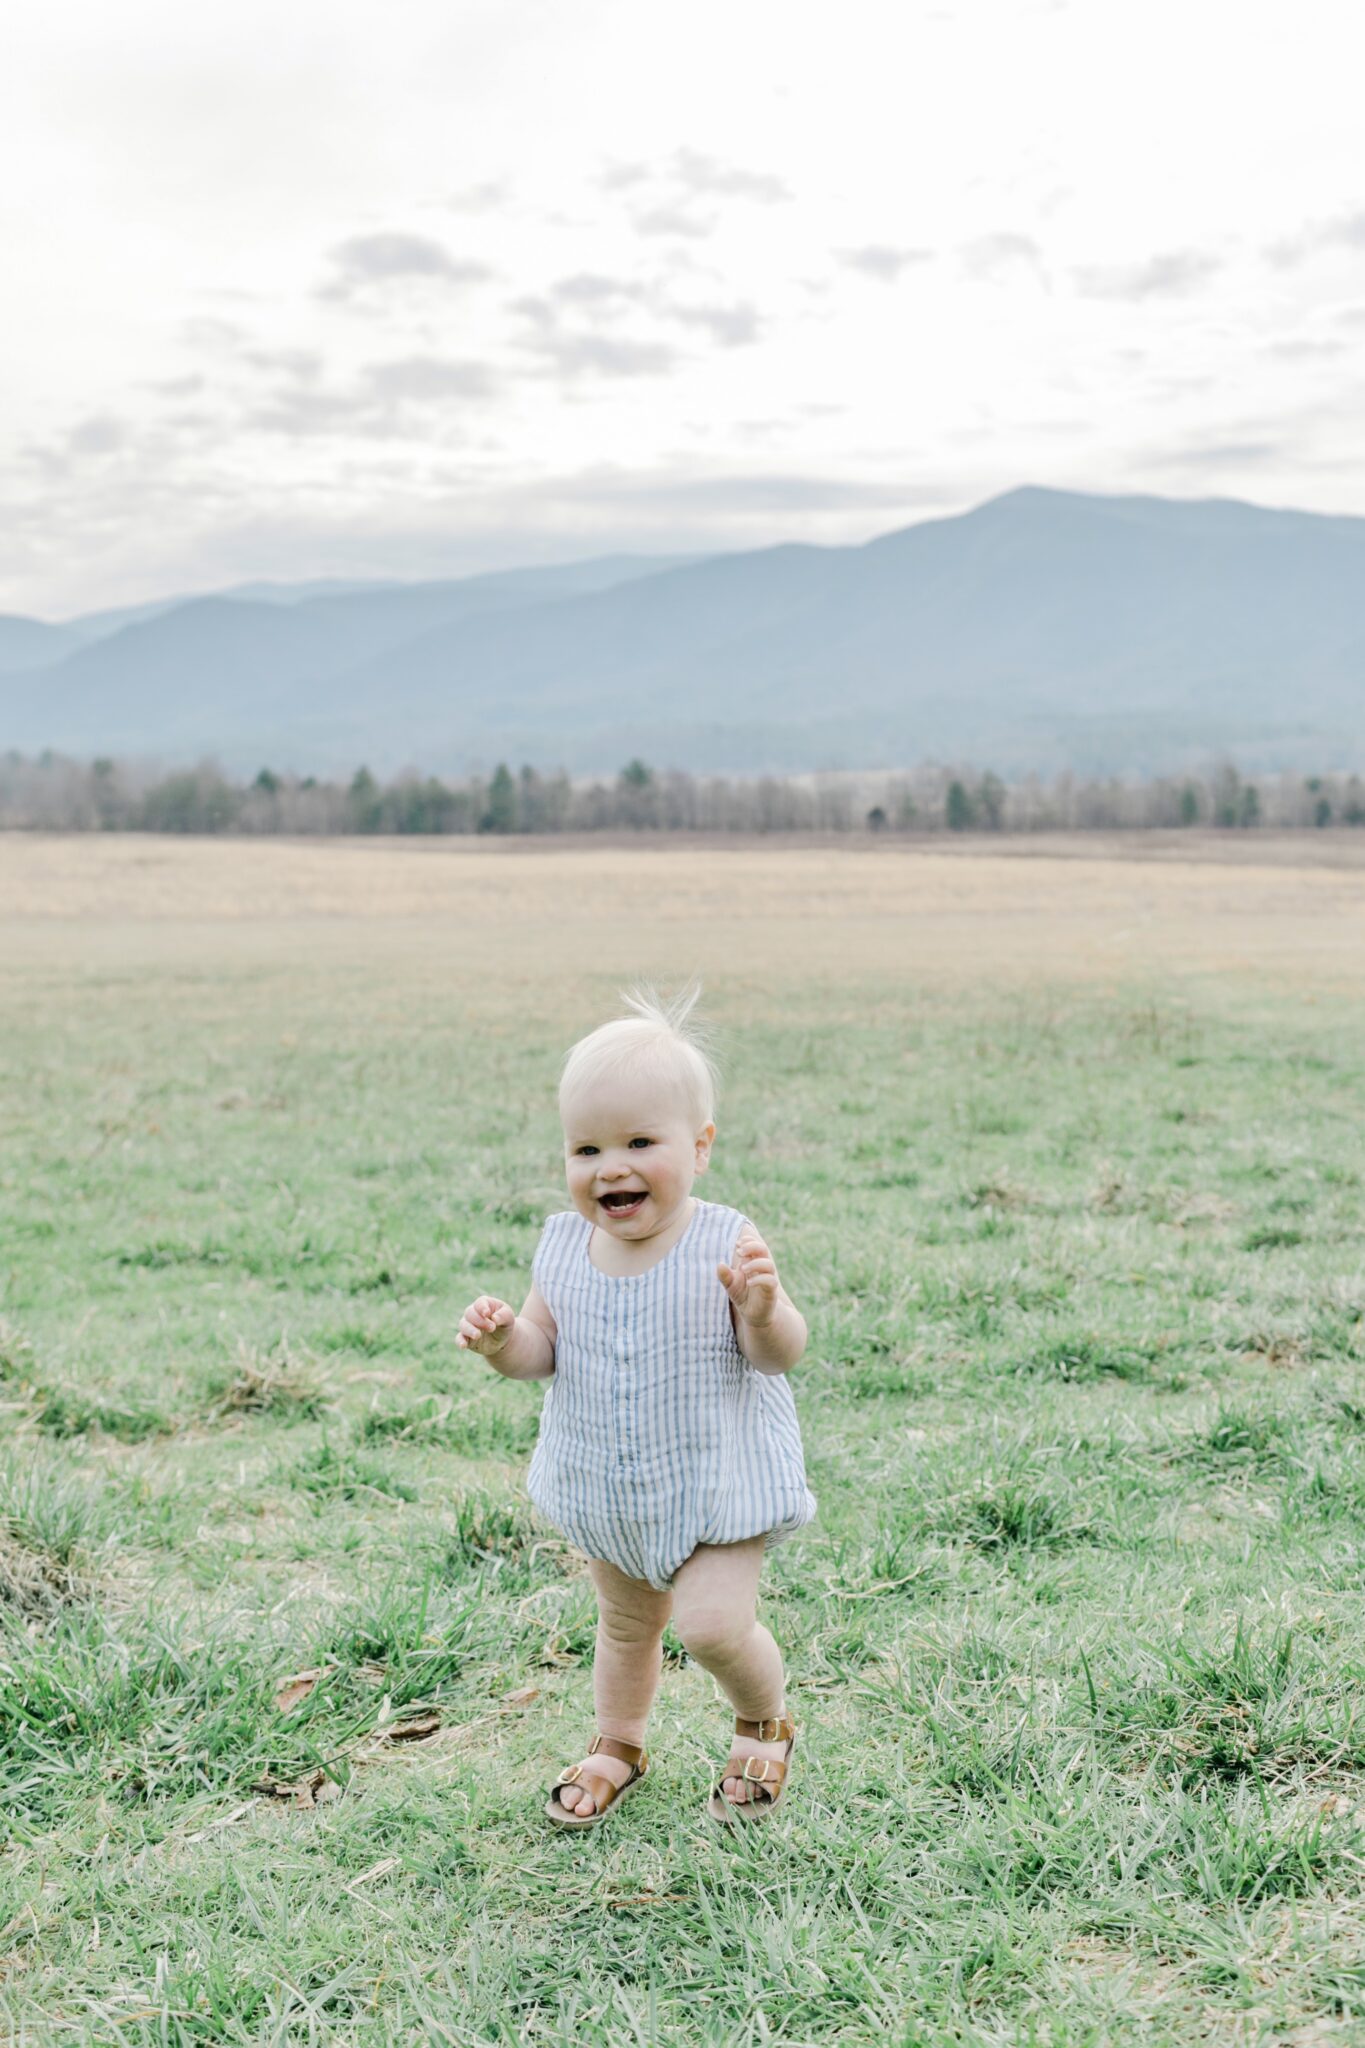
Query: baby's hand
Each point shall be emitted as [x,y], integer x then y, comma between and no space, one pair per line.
[752,1282]
[486,1326]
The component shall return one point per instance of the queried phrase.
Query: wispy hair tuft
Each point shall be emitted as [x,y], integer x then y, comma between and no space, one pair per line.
[660,1039]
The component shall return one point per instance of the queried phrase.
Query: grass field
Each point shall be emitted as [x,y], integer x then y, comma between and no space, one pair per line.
[1061,1156]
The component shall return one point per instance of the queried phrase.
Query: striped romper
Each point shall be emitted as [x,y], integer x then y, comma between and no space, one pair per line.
[656,1433]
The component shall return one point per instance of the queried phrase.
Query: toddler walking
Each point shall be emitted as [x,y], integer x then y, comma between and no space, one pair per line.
[669,1450]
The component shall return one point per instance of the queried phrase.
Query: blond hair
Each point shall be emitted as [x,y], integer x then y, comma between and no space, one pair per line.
[658,1042]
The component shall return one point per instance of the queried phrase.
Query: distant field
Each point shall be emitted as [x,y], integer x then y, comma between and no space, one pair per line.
[1061,1152]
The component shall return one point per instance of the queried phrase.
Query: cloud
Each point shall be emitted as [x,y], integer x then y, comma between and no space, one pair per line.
[692,171]
[575,355]
[731,326]
[674,220]
[485,197]
[591,291]
[988,255]
[1161,277]
[678,196]
[425,379]
[1305,351]
[380,259]
[204,332]
[741,494]
[1342,231]
[380,402]
[303,363]
[624,177]
[880,260]
[100,434]
[575,325]
[1248,454]
[706,174]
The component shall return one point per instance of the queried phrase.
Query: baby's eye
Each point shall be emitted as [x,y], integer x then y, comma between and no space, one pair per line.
[586,1151]
[640,1141]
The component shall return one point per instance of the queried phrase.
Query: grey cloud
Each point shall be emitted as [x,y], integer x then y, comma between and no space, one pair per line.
[589,289]
[674,220]
[1345,231]
[601,302]
[100,434]
[753,493]
[422,379]
[880,260]
[732,326]
[602,355]
[697,174]
[1306,351]
[177,387]
[204,332]
[380,259]
[303,363]
[1248,454]
[485,197]
[379,403]
[988,255]
[1160,277]
[624,177]
[706,174]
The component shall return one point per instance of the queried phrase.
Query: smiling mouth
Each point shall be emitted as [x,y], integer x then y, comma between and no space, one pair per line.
[623,1203]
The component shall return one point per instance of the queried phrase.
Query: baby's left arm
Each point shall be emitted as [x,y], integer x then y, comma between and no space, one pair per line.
[770,1329]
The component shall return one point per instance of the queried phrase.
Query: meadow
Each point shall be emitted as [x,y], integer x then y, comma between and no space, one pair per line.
[1058,1147]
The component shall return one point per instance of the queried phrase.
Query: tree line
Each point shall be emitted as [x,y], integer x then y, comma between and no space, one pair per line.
[51,792]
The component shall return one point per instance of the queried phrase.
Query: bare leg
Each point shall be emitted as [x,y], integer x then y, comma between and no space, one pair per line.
[714,1595]
[625,1673]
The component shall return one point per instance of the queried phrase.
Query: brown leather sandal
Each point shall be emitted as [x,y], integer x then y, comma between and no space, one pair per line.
[756,1771]
[602,1792]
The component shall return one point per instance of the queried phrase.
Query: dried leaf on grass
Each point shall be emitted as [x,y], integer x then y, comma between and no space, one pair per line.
[314,1789]
[417,1728]
[293,1691]
[522,1697]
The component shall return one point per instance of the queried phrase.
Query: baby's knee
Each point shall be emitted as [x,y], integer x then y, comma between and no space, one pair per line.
[711,1634]
[629,1628]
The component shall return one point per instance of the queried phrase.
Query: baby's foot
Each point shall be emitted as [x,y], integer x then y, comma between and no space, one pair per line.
[578,1800]
[740,1789]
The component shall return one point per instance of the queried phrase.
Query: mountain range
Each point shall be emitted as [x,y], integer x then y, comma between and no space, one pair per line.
[1042,630]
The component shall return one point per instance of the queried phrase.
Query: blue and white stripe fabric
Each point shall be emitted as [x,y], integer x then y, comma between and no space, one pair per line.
[656,1433]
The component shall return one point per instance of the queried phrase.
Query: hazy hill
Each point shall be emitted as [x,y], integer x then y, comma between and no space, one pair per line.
[1043,629]
[31,643]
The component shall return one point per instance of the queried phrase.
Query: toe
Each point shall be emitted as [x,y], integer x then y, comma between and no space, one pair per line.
[735,1790]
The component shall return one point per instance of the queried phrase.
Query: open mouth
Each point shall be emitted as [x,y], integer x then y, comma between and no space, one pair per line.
[623,1202]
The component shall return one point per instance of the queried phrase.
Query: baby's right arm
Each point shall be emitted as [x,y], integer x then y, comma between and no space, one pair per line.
[520,1347]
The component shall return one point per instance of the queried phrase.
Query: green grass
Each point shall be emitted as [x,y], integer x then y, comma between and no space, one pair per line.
[1075,1645]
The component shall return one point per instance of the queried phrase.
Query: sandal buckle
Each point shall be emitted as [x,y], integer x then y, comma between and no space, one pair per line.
[758,1777]
[570,1776]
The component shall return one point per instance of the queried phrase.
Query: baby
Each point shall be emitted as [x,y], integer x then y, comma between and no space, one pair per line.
[669,1451]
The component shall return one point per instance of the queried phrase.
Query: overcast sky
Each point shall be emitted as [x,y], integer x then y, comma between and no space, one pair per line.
[298,290]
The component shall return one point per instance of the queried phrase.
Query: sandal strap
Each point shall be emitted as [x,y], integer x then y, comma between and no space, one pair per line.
[600,1790]
[779,1730]
[625,1752]
[761,1771]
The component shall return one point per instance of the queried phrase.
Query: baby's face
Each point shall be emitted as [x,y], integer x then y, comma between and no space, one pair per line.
[631,1155]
